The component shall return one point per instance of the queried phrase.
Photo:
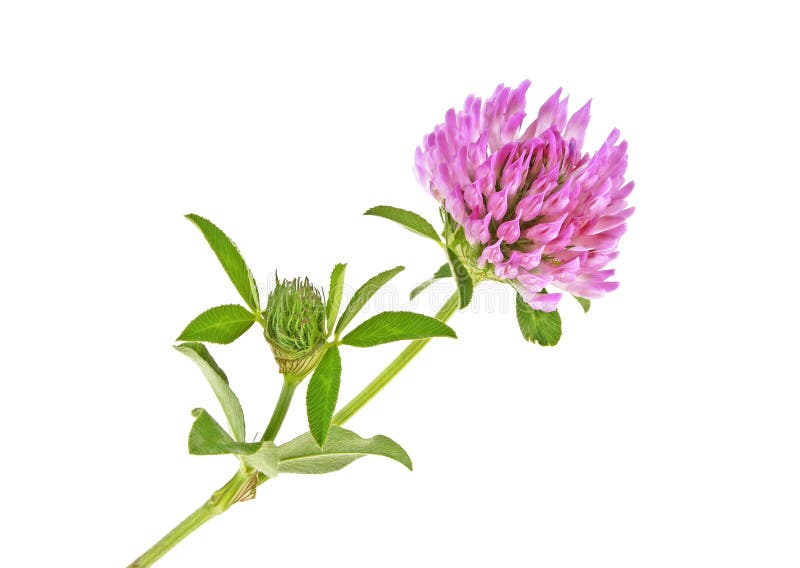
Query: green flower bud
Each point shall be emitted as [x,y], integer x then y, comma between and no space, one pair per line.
[295,326]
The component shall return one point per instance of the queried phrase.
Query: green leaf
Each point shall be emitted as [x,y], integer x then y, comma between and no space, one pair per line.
[335,295]
[208,438]
[303,455]
[231,260]
[198,353]
[265,459]
[363,294]
[463,279]
[585,303]
[222,324]
[410,220]
[322,393]
[537,326]
[396,326]
[443,272]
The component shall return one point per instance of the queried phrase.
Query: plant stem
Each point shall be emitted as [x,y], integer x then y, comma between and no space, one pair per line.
[384,377]
[228,494]
[219,502]
[284,400]
[234,490]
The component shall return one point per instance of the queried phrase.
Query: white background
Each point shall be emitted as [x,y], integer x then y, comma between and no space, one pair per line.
[662,431]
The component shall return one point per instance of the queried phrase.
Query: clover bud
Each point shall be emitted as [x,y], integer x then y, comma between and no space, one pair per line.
[295,326]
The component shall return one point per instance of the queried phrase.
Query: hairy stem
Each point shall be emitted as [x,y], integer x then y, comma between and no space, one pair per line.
[384,377]
[284,400]
[220,501]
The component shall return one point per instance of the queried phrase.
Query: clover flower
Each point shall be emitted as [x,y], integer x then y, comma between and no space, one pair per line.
[529,209]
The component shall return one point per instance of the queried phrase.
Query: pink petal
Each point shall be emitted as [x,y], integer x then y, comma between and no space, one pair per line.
[548,113]
[478,229]
[543,302]
[611,221]
[576,127]
[509,231]
[545,232]
[529,206]
[492,254]
[507,270]
[533,282]
[473,196]
[526,260]
[498,204]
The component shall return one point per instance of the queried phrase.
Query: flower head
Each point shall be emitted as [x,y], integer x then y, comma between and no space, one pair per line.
[294,325]
[528,208]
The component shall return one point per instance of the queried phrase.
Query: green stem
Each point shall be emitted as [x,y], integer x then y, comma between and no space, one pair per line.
[406,355]
[219,502]
[228,494]
[233,491]
[284,400]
